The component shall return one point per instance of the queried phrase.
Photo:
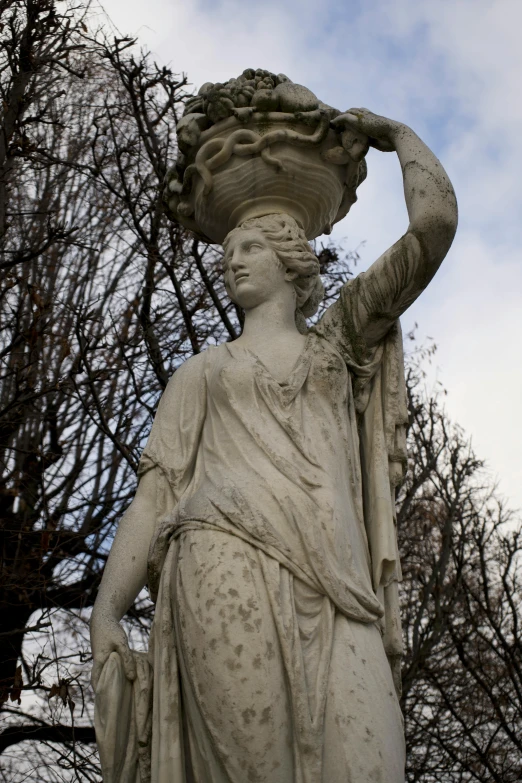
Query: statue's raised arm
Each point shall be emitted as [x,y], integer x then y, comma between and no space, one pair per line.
[397,278]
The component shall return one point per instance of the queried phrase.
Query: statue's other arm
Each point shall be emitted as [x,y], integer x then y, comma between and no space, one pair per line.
[124,576]
[397,278]
[165,470]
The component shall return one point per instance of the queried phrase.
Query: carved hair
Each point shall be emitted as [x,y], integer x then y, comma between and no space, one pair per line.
[288,241]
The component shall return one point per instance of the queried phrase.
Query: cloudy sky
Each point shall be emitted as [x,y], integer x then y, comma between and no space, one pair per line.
[452,70]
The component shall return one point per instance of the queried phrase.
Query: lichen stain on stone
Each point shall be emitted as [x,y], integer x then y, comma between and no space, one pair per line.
[244,613]
[375,775]
[344,720]
[266,716]
[248,715]
[224,633]
[232,665]
[369,736]
[257,663]
[254,776]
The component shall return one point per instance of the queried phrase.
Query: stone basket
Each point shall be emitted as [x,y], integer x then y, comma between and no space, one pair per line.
[249,166]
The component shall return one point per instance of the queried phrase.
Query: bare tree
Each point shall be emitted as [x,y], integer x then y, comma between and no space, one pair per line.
[101,298]
[85,300]
[461,606]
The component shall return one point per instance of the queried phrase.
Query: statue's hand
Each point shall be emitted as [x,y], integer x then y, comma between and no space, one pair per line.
[381,131]
[108,636]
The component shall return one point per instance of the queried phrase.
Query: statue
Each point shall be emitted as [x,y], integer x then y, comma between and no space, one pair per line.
[264,516]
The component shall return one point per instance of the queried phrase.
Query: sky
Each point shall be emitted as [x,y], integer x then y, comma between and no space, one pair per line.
[451,70]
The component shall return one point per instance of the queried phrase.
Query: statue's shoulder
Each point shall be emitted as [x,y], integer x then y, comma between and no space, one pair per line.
[193,369]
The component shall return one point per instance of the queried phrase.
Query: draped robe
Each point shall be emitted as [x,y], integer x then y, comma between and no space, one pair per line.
[274,567]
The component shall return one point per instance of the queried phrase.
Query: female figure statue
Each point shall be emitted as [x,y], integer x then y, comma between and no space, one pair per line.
[264,517]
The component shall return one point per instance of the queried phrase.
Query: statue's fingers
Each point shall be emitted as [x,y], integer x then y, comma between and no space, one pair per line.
[363,114]
[345,121]
[345,117]
[129,664]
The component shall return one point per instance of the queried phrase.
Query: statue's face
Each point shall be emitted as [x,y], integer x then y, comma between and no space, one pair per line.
[253,273]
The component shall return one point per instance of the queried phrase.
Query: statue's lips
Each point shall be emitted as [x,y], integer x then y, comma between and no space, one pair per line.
[242,276]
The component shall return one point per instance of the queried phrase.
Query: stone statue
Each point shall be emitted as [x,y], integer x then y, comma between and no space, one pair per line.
[264,516]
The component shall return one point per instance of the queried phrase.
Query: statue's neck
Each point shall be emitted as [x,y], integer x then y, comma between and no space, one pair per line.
[272,321]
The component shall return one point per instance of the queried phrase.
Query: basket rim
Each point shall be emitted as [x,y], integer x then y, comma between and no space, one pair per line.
[257,118]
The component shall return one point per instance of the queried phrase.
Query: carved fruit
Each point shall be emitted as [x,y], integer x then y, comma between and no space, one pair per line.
[195,105]
[189,130]
[219,106]
[265,100]
[241,100]
[295,97]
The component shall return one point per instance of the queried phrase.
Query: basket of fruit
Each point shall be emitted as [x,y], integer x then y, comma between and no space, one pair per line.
[261,144]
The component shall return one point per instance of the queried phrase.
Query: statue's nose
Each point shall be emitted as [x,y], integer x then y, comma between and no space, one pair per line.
[236,261]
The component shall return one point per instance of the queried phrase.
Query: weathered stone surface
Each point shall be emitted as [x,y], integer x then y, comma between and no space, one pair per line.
[264,518]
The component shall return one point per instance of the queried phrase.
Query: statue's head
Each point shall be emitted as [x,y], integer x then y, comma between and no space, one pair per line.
[275,251]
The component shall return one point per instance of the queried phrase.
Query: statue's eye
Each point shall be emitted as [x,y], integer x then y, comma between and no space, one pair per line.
[254,246]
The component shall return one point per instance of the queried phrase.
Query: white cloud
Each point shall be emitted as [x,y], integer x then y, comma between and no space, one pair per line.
[452,70]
